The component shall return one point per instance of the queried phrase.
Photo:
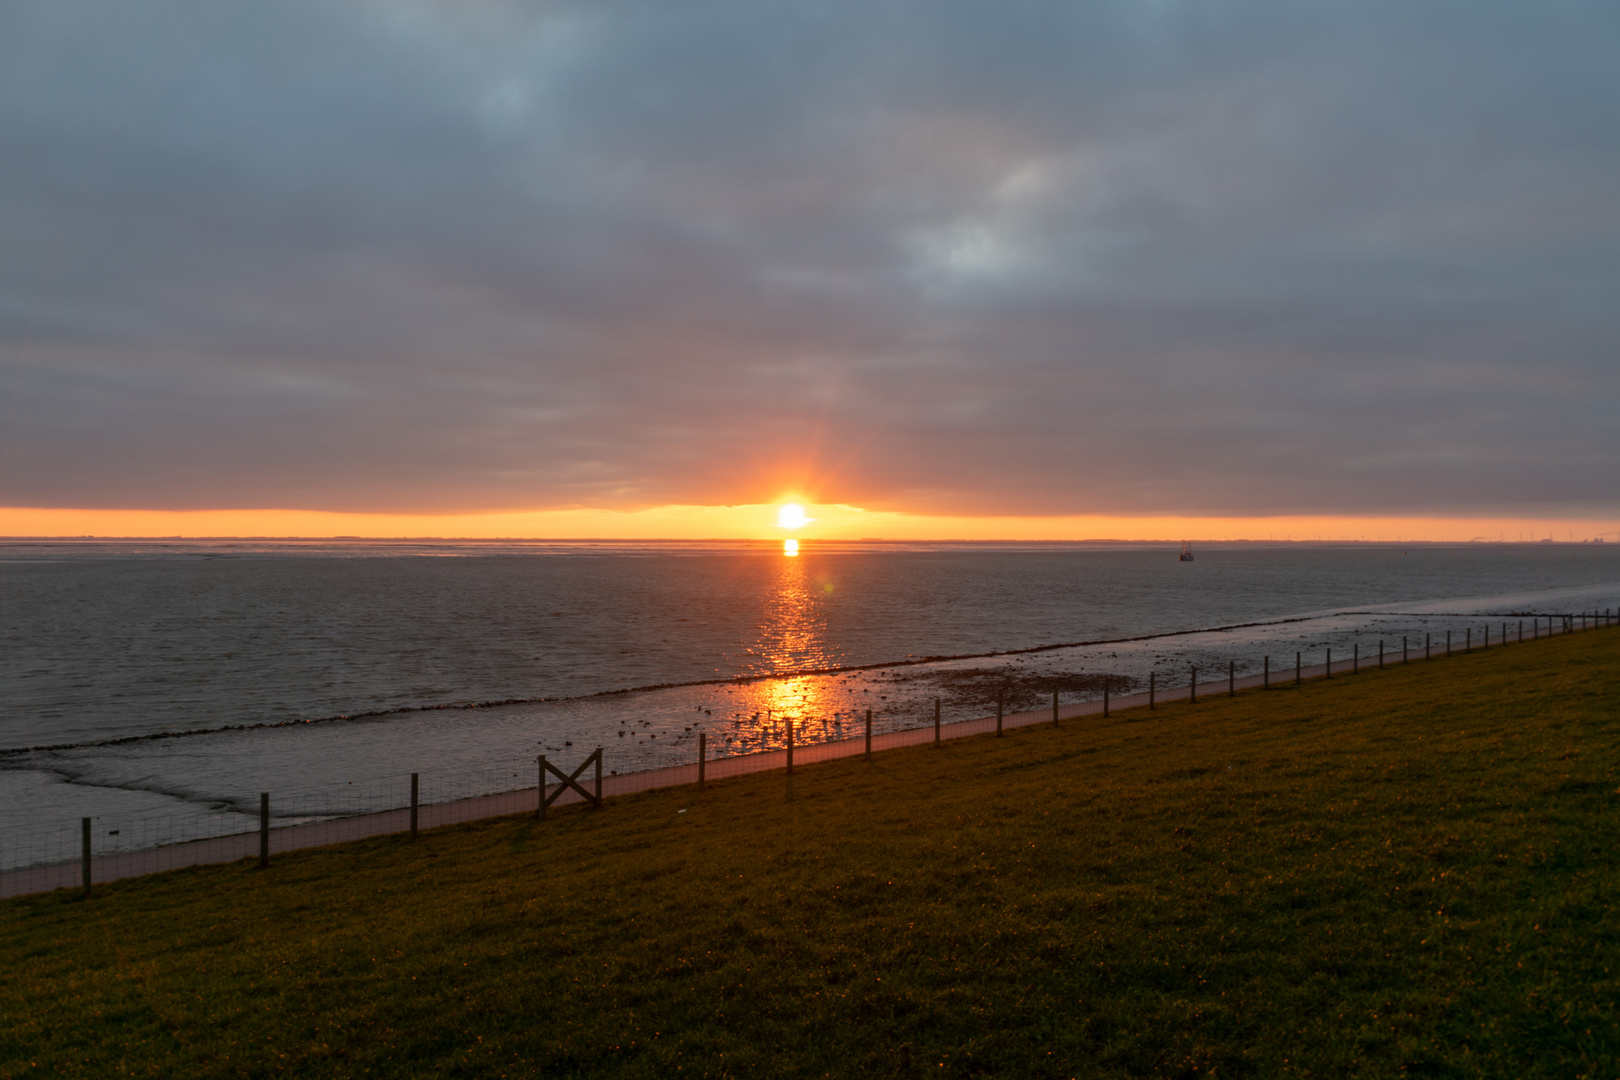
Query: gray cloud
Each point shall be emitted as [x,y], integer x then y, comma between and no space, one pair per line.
[1014,257]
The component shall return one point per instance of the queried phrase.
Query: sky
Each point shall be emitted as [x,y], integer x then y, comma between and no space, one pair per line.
[1008,268]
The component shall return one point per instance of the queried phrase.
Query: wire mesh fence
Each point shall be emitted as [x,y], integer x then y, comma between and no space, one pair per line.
[75,854]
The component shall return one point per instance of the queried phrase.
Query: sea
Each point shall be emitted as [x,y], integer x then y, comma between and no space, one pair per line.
[170,682]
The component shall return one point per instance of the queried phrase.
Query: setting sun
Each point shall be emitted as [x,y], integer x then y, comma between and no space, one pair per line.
[791,516]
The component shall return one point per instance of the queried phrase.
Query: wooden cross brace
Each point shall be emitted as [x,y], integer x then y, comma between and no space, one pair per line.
[569,781]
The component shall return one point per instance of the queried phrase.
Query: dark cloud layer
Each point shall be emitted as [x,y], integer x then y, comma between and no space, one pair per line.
[1141,256]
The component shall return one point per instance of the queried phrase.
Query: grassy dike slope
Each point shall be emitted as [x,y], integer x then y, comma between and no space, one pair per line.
[1409,871]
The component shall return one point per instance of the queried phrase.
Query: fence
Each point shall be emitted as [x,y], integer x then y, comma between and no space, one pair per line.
[77,857]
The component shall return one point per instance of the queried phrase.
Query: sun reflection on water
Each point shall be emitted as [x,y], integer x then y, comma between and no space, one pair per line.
[817,705]
[793,631]
[790,548]
[792,637]
[797,699]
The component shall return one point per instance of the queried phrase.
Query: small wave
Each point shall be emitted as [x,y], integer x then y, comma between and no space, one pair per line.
[740,680]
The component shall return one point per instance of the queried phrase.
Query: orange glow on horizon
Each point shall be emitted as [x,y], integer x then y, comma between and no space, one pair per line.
[761,522]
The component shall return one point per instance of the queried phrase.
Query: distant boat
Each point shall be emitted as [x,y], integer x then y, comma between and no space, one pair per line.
[1186,551]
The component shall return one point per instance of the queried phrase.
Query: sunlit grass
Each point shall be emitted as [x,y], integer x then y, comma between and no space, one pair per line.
[1406,871]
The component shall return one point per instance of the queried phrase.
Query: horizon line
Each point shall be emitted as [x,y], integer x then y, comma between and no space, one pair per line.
[762,522]
[769,540]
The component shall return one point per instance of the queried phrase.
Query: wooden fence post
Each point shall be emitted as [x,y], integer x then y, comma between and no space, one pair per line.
[1404,658]
[1330,663]
[1192,686]
[569,781]
[1380,654]
[1448,642]
[84,854]
[1054,708]
[936,723]
[1355,660]
[788,723]
[1299,668]
[868,734]
[1151,676]
[1105,697]
[1267,684]
[264,829]
[413,806]
[1468,642]
[1428,646]
[1231,678]
[1001,703]
[703,746]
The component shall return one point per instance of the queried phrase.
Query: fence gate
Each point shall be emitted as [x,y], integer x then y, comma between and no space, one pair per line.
[569,781]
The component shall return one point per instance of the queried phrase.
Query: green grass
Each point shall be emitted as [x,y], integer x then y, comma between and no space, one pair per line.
[1401,872]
